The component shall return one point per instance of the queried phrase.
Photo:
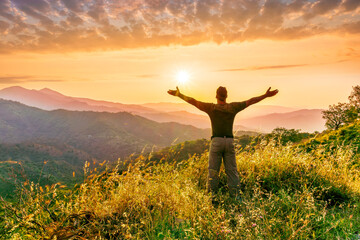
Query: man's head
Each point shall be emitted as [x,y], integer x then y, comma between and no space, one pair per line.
[221,93]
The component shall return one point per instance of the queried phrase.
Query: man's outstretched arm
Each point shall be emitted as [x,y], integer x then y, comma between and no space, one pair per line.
[200,105]
[182,96]
[268,93]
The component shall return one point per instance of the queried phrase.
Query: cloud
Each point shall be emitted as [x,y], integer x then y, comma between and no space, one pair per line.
[75,6]
[322,7]
[353,27]
[262,68]
[4,26]
[147,76]
[350,5]
[348,53]
[5,10]
[104,25]
[24,79]
[37,9]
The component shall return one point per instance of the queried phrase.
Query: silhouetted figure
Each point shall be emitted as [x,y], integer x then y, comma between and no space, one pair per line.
[222,117]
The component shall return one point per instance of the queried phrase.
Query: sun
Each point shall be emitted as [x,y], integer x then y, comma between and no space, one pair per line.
[183,77]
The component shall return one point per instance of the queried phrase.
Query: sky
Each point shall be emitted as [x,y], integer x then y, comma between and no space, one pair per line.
[131,51]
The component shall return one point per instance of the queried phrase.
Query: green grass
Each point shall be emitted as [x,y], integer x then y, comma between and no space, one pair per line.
[287,193]
[330,140]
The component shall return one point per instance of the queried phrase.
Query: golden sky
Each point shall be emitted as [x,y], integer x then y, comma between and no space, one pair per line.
[130,51]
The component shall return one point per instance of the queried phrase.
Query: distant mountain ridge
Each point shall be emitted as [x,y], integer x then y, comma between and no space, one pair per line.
[101,134]
[48,99]
[309,120]
[253,111]
[259,117]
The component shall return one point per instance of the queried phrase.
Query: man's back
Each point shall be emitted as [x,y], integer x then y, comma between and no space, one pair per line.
[222,116]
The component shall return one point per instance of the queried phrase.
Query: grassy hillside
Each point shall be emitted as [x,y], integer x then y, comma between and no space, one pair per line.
[346,136]
[287,194]
[176,153]
[46,164]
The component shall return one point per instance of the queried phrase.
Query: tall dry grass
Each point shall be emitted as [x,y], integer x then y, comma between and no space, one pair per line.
[286,194]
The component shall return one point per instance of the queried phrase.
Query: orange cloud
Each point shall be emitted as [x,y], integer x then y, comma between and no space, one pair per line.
[262,68]
[24,79]
[93,25]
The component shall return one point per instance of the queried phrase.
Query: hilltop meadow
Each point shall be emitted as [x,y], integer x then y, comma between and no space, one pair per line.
[307,190]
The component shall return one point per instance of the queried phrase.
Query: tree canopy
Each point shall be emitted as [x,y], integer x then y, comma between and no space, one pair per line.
[343,113]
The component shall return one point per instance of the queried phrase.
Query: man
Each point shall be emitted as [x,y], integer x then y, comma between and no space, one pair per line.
[222,117]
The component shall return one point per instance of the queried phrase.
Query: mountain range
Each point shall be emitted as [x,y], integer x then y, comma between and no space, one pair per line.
[309,120]
[101,134]
[256,118]
[48,99]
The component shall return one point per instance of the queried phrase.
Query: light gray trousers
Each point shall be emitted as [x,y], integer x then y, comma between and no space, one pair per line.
[223,149]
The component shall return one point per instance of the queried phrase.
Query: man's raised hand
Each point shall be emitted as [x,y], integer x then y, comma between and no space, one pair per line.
[270,93]
[174,92]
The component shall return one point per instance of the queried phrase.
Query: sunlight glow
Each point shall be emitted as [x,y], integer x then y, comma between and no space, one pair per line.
[183,77]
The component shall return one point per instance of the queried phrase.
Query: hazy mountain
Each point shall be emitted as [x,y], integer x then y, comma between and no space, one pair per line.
[261,110]
[183,117]
[308,120]
[173,107]
[252,111]
[254,118]
[102,135]
[188,114]
[259,117]
[48,99]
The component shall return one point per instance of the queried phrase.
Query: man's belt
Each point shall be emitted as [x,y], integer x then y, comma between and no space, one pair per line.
[230,136]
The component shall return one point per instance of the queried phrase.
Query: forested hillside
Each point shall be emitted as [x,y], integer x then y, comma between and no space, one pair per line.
[41,164]
[102,135]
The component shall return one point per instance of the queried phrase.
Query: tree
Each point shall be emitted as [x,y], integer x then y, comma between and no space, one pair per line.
[352,114]
[287,135]
[336,115]
[343,113]
[354,97]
